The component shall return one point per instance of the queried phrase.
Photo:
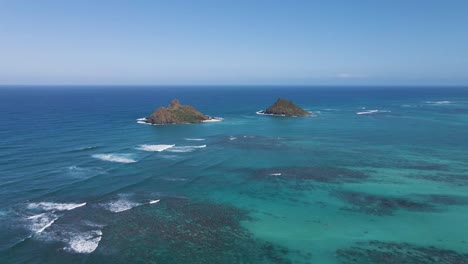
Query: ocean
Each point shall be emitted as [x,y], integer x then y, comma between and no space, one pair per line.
[376,175]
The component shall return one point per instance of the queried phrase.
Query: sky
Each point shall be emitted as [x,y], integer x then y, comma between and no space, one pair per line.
[156,42]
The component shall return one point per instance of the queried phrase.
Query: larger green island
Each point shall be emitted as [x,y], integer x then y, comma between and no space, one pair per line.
[175,113]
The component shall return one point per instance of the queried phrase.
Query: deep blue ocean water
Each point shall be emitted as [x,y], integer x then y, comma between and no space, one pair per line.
[81,181]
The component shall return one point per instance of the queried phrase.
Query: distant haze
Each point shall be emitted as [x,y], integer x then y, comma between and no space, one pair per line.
[234,42]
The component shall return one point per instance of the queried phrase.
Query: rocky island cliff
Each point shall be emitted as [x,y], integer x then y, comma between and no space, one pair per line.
[175,113]
[283,107]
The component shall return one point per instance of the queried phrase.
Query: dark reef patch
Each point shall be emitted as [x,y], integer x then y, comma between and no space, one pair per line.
[423,166]
[317,174]
[398,253]
[379,205]
[452,179]
[404,164]
[385,205]
[445,199]
[183,231]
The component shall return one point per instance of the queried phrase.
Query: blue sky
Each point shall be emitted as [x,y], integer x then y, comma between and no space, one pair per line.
[234,42]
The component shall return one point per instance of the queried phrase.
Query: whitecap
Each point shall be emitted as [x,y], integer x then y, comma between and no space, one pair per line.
[85,242]
[120,158]
[154,201]
[195,139]
[262,112]
[183,149]
[175,179]
[143,121]
[157,148]
[369,112]
[75,168]
[439,102]
[213,119]
[232,138]
[47,225]
[40,222]
[48,206]
[275,174]
[120,205]
[89,148]
[80,172]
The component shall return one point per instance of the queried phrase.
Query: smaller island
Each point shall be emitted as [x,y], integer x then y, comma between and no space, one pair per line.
[175,113]
[283,107]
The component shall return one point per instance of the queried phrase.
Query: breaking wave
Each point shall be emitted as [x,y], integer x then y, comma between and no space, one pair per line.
[85,242]
[120,205]
[369,112]
[183,149]
[142,121]
[120,158]
[439,102]
[157,148]
[40,222]
[48,206]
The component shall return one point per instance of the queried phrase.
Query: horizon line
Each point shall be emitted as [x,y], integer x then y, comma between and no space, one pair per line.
[235,85]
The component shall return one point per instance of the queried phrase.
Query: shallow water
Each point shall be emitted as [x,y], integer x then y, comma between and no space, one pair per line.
[377,175]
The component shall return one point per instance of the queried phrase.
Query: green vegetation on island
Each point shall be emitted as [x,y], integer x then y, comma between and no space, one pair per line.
[175,113]
[283,107]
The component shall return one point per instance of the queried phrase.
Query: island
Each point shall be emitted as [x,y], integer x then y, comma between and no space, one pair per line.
[175,113]
[283,107]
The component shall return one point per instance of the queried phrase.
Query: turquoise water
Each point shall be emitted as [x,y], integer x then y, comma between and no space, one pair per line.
[81,181]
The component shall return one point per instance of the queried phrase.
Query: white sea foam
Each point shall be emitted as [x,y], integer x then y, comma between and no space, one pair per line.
[154,201]
[47,225]
[262,112]
[76,171]
[195,139]
[85,242]
[232,138]
[213,119]
[75,168]
[142,121]
[175,179]
[369,112]
[120,158]
[40,222]
[275,174]
[120,205]
[77,241]
[157,148]
[439,102]
[89,148]
[38,216]
[183,149]
[48,206]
